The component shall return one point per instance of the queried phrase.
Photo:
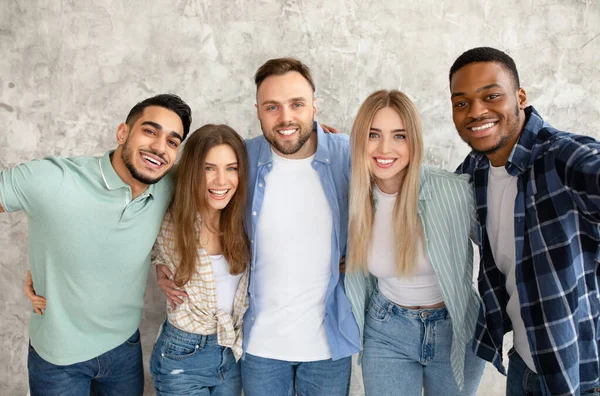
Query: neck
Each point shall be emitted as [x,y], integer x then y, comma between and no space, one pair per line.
[500,156]
[137,187]
[212,218]
[391,185]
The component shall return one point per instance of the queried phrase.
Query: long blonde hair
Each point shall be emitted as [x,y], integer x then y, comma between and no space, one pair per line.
[406,224]
[188,202]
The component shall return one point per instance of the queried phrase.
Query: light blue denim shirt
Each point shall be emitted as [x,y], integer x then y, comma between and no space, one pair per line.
[446,209]
[332,163]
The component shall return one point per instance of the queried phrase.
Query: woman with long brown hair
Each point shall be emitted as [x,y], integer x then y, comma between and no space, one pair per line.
[410,260]
[202,242]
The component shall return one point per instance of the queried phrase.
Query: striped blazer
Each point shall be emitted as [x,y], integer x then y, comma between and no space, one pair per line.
[447,211]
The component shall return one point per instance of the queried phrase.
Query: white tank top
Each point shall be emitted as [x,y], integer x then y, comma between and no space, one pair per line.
[419,289]
[225,283]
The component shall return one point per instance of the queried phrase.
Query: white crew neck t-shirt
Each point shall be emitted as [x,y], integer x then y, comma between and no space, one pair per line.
[421,288]
[294,232]
[501,194]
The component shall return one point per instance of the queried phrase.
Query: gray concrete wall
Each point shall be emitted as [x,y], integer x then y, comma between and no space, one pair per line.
[71,70]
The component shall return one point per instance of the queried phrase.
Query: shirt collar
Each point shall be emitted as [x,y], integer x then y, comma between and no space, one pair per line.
[322,155]
[111,179]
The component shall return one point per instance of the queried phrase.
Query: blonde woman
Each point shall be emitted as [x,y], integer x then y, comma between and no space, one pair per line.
[410,259]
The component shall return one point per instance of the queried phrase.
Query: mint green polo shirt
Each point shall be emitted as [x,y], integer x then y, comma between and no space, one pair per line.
[89,251]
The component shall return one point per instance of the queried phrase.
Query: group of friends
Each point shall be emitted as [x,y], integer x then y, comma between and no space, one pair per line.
[284,255]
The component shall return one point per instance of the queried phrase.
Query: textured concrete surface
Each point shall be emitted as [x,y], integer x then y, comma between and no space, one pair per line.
[71,70]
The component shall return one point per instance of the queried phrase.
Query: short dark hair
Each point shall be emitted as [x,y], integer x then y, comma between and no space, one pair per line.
[281,66]
[486,54]
[168,101]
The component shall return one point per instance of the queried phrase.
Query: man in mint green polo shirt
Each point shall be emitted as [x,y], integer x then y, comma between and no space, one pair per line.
[92,224]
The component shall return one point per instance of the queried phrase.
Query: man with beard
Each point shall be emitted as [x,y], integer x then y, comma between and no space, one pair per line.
[93,222]
[299,331]
[538,199]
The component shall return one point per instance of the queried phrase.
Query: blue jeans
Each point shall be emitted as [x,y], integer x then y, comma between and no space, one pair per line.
[522,381]
[184,363]
[408,350]
[116,372]
[262,376]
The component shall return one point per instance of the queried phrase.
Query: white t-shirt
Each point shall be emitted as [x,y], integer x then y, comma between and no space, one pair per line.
[501,193]
[225,283]
[294,233]
[419,289]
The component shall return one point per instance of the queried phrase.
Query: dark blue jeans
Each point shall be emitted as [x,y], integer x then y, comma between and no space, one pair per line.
[118,372]
[271,377]
[522,381]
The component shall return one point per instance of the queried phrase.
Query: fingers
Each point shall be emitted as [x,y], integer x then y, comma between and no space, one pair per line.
[38,302]
[163,272]
[343,265]
[167,286]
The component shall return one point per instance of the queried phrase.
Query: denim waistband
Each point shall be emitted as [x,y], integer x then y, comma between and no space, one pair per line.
[186,337]
[431,314]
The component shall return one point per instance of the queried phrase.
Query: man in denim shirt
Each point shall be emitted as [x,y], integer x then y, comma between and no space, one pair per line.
[299,331]
[538,200]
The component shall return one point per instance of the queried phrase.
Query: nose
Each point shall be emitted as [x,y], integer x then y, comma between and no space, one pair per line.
[159,145]
[477,109]
[384,145]
[220,179]
[285,115]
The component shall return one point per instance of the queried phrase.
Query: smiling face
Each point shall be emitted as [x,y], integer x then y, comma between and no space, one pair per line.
[148,149]
[222,178]
[487,109]
[286,110]
[388,150]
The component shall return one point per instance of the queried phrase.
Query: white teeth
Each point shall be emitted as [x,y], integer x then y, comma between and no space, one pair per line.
[484,126]
[218,192]
[287,132]
[384,161]
[155,162]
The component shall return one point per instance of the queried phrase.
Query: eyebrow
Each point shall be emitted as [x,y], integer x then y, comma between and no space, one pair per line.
[393,131]
[298,99]
[210,163]
[478,90]
[160,128]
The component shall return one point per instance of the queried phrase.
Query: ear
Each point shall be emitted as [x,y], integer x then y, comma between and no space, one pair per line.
[522,96]
[257,112]
[122,133]
[314,107]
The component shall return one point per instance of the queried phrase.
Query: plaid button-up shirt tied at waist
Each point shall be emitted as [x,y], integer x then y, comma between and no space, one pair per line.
[557,239]
[199,312]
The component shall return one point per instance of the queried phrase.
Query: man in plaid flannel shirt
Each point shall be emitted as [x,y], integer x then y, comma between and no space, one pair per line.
[538,205]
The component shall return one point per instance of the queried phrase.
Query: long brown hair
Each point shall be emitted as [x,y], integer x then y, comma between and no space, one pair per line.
[190,200]
[361,207]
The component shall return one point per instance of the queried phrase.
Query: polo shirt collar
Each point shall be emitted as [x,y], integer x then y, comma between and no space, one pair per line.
[111,179]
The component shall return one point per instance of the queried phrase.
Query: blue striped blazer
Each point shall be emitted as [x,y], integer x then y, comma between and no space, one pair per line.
[447,211]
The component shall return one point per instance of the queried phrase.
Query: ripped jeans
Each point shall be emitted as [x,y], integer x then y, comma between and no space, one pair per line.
[189,364]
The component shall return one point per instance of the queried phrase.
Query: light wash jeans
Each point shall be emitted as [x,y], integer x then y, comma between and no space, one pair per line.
[407,351]
[189,364]
[270,377]
[118,372]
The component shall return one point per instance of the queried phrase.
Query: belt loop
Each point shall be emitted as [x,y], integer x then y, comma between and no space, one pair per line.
[203,341]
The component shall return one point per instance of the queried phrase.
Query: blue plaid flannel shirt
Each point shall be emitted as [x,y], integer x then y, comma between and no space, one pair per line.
[557,241]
